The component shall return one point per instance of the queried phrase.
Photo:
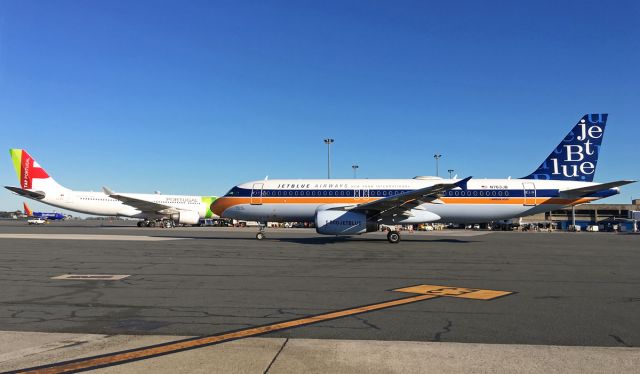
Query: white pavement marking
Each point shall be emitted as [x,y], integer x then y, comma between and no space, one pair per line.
[253,355]
[134,238]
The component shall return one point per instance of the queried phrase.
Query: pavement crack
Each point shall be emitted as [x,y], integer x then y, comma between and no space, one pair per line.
[366,322]
[619,340]
[276,356]
[445,329]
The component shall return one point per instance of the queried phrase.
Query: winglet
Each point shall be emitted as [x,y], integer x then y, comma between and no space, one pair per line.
[462,183]
[107,191]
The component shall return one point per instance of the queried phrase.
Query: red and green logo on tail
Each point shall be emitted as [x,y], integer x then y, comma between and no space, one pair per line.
[26,168]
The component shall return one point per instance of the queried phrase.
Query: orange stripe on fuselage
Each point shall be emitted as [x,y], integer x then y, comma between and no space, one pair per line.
[224,203]
[515,200]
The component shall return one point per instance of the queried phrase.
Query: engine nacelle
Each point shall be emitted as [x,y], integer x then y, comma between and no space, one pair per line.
[337,222]
[186,217]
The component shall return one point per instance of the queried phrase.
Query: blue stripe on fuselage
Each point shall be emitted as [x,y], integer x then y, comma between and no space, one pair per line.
[246,192]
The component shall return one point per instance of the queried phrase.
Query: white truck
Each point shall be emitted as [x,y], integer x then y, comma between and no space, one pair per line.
[36,221]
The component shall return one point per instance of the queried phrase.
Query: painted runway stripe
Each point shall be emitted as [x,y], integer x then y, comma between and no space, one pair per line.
[425,292]
[133,238]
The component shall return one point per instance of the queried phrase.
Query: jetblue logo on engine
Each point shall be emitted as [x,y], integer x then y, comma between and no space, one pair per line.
[576,156]
[345,222]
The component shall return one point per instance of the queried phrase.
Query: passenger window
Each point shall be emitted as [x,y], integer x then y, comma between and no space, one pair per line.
[475,193]
[493,193]
[499,193]
[506,193]
[296,193]
[481,193]
[457,193]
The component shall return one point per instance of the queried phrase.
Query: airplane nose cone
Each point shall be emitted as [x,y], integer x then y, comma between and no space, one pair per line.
[218,207]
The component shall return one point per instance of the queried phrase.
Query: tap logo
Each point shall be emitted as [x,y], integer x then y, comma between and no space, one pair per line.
[575,158]
[27,168]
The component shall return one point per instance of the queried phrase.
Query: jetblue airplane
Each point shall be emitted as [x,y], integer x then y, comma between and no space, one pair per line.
[53,216]
[36,184]
[357,206]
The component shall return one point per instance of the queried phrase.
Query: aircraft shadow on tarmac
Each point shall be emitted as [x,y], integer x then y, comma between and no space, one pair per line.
[327,240]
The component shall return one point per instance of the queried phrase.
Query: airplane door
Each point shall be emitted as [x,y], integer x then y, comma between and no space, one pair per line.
[529,189]
[256,193]
[356,194]
[365,194]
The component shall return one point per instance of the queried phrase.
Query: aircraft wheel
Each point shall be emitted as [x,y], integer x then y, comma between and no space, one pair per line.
[141,224]
[152,223]
[260,236]
[393,237]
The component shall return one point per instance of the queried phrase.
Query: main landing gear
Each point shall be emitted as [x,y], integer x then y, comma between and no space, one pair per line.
[167,223]
[146,223]
[393,237]
[260,235]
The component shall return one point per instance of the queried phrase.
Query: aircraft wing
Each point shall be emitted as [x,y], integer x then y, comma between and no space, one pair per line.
[140,204]
[409,200]
[27,193]
[585,191]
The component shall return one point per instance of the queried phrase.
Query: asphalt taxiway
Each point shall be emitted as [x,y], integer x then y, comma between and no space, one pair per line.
[569,290]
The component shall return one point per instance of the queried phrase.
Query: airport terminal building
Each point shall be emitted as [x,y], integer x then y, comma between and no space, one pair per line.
[606,216]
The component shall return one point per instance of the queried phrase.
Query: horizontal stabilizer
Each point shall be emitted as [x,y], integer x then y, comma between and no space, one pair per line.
[27,193]
[585,191]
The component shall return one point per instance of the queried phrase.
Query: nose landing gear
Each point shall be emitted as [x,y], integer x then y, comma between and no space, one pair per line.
[393,237]
[260,235]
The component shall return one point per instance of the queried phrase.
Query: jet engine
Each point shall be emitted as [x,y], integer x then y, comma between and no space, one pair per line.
[186,217]
[339,222]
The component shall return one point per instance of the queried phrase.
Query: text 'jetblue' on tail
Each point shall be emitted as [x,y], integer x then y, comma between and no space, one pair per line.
[576,157]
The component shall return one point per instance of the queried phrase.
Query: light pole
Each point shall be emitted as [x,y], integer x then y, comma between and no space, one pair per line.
[328,142]
[355,168]
[450,172]
[437,157]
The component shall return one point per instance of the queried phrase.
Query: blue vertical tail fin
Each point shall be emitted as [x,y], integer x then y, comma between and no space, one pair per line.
[576,157]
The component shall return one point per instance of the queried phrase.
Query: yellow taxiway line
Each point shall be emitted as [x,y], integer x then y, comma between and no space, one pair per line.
[424,292]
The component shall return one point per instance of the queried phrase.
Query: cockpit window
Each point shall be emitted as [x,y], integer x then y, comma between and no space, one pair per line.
[233,192]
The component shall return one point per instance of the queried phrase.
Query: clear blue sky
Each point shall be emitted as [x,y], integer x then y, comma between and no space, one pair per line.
[193,97]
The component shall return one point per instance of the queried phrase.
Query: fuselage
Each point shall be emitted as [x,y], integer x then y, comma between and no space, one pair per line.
[49,216]
[483,200]
[97,203]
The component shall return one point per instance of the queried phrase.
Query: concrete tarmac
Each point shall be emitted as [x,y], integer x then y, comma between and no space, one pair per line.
[573,289]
